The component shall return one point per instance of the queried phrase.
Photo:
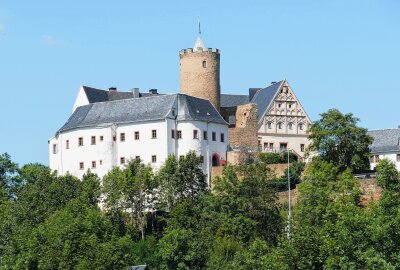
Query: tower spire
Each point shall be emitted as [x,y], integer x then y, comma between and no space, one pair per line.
[198,20]
[199,44]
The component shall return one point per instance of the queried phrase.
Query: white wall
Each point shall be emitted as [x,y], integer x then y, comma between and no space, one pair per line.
[109,152]
[81,99]
[293,141]
[390,156]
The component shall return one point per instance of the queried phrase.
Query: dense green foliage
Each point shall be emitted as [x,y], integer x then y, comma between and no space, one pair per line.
[168,219]
[337,138]
[277,158]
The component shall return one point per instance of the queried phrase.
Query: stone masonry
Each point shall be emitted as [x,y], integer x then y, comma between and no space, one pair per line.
[244,135]
[200,74]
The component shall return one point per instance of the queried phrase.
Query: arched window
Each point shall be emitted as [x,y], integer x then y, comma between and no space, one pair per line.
[269,125]
[280,125]
[290,126]
[204,64]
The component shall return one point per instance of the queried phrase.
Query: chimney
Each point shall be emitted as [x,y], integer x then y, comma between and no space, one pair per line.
[135,92]
[153,91]
[273,82]
[112,88]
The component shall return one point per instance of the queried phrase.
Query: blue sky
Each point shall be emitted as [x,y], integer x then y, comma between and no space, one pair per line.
[335,54]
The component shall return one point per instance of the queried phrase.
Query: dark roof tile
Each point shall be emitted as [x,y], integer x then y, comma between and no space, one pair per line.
[385,140]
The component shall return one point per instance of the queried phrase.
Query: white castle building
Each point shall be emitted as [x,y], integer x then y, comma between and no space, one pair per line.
[108,128]
[386,145]
[104,134]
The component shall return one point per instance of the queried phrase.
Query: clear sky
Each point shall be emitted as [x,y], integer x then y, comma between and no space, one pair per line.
[335,54]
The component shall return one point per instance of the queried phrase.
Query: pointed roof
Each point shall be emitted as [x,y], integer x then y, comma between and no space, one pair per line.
[263,97]
[199,44]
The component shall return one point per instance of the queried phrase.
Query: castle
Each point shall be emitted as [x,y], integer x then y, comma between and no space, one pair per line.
[108,128]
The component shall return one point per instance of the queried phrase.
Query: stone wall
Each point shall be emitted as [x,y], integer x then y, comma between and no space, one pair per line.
[198,79]
[243,136]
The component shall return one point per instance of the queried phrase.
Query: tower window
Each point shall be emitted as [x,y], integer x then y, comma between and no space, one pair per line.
[204,64]
[195,134]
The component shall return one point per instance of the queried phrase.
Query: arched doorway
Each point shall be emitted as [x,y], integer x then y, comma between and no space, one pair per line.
[215,160]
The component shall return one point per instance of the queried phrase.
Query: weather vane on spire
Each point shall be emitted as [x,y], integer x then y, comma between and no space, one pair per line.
[198,19]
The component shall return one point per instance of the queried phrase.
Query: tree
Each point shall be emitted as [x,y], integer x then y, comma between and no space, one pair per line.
[7,173]
[337,138]
[180,179]
[131,190]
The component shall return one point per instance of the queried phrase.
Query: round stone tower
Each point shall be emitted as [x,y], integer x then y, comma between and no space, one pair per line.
[199,72]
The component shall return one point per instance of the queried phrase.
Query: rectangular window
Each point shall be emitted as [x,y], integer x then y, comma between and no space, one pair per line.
[101,162]
[265,146]
[93,140]
[154,134]
[376,158]
[205,135]
[154,159]
[81,166]
[67,144]
[214,136]
[179,134]
[202,159]
[398,157]
[172,133]
[93,164]
[114,138]
[137,158]
[136,135]
[122,137]
[195,134]
[283,146]
[302,147]
[80,141]
[222,137]
[271,146]
[101,138]
[54,148]
[122,160]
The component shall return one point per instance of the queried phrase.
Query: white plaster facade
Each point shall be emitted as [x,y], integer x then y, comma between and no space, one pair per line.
[109,147]
[284,124]
[393,157]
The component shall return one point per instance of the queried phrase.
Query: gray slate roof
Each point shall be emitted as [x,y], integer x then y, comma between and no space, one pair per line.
[230,100]
[142,109]
[261,96]
[385,140]
[97,95]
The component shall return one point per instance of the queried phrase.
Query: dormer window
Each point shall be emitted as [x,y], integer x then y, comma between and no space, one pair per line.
[204,64]
[173,112]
